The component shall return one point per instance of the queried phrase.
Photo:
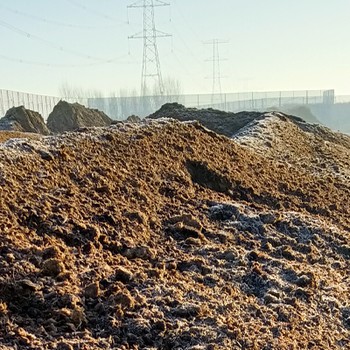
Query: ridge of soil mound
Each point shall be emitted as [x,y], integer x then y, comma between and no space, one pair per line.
[133,119]
[165,235]
[71,116]
[302,111]
[225,123]
[21,119]
[309,146]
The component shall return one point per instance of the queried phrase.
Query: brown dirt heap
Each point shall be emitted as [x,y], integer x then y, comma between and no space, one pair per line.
[165,235]
[300,144]
[68,117]
[133,119]
[21,119]
[225,123]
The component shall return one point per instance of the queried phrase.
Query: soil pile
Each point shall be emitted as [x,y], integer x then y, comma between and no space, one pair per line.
[71,116]
[23,120]
[226,123]
[309,146]
[133,119]
[165,235]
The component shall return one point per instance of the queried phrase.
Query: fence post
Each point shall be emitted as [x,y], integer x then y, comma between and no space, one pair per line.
[2,104]
[12,99]
[8,98]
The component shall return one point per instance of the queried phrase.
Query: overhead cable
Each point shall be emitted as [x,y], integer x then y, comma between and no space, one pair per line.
[50,21]
[94,12]
[47,42]
[62,65]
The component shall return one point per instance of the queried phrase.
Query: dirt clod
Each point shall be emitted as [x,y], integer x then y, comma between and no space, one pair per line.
[92,290]
[53,267]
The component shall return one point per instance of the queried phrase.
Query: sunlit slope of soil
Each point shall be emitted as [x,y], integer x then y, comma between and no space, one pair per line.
[7,135]
[163,235]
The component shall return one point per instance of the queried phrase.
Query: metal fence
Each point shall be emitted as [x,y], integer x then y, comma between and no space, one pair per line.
[342,99]
[121,107]
[40,103]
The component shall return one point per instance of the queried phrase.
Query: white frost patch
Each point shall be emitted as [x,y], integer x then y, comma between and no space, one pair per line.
[20,146]
[260,129]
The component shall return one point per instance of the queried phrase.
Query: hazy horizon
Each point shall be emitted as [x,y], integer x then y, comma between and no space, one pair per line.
[272,45]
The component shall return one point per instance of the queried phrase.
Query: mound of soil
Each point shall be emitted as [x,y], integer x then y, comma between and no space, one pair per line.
[21,119]
[71,116]
[221,122]
[308,146]
[165,235]
[225,123]
[133,119]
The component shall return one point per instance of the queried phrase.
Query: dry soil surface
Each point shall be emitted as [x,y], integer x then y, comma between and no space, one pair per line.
[165,235]
[7,135]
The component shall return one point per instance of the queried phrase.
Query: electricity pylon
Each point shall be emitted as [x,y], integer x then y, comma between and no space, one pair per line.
[151,70]
[216,71]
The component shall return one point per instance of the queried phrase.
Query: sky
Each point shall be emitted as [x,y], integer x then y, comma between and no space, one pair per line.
[271,45]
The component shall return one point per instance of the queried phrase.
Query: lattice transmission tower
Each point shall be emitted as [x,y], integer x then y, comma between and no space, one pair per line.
[216,95]
[151,71]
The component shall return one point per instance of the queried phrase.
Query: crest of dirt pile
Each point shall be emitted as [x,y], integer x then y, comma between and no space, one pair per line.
[133,119]
[308,146]
[21,119]
[225,123]
[302,111]
[71,116]
[165,235]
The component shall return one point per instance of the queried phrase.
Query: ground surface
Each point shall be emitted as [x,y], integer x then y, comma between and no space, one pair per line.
[163,235]
[6,135]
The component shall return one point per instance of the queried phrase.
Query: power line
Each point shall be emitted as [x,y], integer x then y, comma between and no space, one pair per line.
[48,21]
[186,70]
[47,42]
[62,65]
[185,20]
[150,64]
[96,13]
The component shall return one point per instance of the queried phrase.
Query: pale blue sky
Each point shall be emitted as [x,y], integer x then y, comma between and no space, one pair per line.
[272,44]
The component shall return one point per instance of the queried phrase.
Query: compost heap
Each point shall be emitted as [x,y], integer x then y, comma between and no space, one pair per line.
[166,235]
[20,119]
